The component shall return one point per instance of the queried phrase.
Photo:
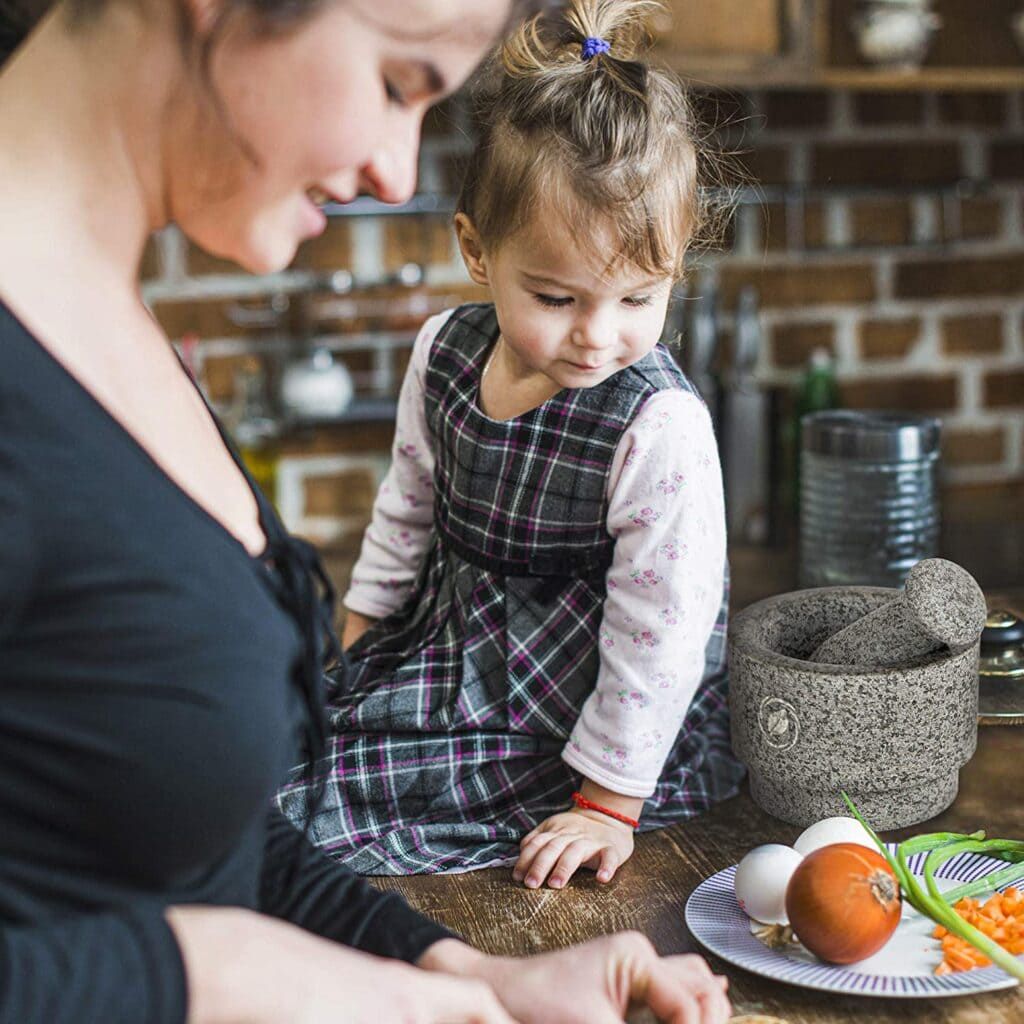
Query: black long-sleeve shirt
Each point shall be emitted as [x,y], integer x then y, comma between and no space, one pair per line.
[150,704]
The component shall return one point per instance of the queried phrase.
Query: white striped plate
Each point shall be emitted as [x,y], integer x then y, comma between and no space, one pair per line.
[903,968]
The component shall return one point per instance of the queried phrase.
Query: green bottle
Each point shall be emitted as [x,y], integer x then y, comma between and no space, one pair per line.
[816,391]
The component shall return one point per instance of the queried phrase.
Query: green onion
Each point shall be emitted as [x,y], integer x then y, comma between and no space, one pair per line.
[1003,849]
[990,883]
[930,840]
[942,846]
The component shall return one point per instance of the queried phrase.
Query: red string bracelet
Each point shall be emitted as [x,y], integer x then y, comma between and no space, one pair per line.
[588,805]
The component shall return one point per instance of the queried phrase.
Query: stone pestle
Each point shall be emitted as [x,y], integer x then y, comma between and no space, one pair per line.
[941,605]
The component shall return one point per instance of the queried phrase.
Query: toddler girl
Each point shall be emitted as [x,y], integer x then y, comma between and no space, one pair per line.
[537,617]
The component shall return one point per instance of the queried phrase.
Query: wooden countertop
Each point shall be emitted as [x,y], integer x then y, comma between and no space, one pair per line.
[651,889]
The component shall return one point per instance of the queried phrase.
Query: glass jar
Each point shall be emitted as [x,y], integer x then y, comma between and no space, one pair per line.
[869,503]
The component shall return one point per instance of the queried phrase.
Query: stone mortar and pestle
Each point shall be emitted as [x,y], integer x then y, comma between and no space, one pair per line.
[866,689]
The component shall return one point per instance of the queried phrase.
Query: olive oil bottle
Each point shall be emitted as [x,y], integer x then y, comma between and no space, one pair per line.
[255,428]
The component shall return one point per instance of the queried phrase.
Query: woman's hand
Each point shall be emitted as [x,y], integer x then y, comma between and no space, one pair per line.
[570,840]
[245,968]
[593,983]
[355,626]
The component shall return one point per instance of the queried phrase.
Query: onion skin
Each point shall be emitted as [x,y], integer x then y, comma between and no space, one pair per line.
[843,902]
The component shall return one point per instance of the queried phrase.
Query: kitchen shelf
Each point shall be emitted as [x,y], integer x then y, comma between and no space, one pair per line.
[367,206]
[812,44]
[857,79]
[944,79]
[757,195]
[360,410]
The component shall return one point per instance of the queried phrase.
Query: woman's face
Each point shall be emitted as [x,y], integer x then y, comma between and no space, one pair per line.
[330,109]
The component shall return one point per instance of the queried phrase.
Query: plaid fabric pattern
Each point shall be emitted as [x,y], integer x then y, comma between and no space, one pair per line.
[448,718]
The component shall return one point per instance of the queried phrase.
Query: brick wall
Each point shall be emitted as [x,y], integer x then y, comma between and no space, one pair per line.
[889,229]
[893,236]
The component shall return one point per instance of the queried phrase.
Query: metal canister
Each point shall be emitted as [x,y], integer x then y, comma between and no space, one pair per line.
[869,501]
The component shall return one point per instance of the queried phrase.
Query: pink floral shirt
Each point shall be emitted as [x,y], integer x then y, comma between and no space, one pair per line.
[664,587]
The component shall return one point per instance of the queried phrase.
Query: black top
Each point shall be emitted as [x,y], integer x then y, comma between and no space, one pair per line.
[155,685]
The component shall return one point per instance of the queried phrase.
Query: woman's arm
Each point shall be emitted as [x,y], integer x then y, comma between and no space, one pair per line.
[244,968]
[222,965]
[118,968]
[300,884]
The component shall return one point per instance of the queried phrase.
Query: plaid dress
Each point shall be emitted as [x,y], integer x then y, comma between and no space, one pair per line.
[448,719]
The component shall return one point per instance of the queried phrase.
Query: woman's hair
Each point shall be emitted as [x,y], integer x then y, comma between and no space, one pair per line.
[19,17]
[569,127]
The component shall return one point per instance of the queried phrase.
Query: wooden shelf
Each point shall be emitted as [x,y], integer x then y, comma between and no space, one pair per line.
[809,44]
[946,79]
[861,79]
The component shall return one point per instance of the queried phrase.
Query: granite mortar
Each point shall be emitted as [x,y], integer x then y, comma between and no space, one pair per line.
[894,738]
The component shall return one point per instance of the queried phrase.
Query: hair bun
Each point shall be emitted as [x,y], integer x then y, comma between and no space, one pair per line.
[623,24]
[556,40]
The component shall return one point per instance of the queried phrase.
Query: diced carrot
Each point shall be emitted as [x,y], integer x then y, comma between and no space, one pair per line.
[959,960]
[1000,917]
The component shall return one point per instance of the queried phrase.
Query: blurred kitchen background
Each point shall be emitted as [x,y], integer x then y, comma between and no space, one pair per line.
[875,261]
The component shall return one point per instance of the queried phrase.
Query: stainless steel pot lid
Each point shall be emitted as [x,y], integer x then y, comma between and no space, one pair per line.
[1001,670]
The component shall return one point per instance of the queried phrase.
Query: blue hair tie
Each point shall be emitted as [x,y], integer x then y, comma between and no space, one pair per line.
[593,45]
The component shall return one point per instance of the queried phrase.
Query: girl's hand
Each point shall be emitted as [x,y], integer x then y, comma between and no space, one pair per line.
[594,983]
[355,626]
[564,842]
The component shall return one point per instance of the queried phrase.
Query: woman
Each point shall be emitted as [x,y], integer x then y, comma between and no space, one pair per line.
[159,632]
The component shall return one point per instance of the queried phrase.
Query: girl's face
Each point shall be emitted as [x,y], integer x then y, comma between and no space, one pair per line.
[328,110]
[562,312]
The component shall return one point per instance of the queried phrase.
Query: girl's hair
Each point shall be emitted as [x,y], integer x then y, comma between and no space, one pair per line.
[587,136]
[19,17]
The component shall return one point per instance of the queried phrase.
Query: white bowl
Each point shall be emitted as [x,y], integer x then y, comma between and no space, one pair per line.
[893,35]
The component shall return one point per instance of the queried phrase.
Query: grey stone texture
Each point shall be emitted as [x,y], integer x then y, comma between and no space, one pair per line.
[894,738]
[941,607]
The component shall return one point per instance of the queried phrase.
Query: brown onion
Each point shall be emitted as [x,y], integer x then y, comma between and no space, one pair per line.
[843,902]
